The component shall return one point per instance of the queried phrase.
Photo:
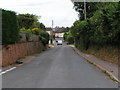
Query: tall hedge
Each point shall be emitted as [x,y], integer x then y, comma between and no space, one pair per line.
[102,29]
[44,37]
[10,32]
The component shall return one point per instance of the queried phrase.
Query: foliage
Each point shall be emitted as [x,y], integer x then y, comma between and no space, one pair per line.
[44,37]
[42,26]
[36,31]
[10,31]
[90,9]
[65,36]
[36,23]
[69,38]
[25,20]
[103,28]
[26,30]
[28,21]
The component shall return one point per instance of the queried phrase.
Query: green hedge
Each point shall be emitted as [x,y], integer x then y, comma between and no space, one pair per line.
[69,38]
[44,37]
[102,29]
[10,32]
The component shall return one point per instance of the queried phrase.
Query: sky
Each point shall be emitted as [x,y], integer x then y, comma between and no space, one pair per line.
[60,11]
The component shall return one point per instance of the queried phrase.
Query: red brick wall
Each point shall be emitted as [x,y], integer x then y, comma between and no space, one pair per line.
[11,53]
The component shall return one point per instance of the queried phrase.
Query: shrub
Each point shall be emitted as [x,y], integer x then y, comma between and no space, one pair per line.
[36,31]
[102,29]
[29,31]
[10,32]
[25,20]
[69,38]
[44,37]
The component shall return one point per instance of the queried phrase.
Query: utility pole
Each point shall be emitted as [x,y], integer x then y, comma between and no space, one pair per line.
[85,9]
[52,32]
[52,24]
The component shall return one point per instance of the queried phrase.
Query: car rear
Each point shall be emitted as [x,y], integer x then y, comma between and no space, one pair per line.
[59,42]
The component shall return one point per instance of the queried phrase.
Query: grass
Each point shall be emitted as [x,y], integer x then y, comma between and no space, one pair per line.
[106,53]
[51,44]
[70,44]
[16,63]
[106,73]
[91,63]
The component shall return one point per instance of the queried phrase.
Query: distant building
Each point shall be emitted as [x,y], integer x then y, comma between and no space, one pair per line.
[48,30]
[60,31]
[57,31]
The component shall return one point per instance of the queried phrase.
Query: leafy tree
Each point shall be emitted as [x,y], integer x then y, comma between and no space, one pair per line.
[91,7]
[44,37]
[69,38]
[36,31]
[27,21]
[42,26]
[102,28]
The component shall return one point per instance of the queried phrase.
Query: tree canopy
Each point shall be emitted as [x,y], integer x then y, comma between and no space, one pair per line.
[101,28]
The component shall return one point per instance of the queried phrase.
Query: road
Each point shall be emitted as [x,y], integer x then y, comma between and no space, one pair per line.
[58,67]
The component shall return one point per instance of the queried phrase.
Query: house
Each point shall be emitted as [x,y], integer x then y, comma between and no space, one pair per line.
[48,30]
[60,31]
[57,31]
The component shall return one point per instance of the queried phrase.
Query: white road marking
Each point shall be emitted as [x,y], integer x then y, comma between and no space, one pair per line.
[7,70]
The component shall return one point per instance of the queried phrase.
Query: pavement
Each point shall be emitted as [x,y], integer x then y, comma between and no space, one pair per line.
[58,67]
[110,68]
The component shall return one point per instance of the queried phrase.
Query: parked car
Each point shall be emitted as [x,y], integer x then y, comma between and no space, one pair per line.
[59,42]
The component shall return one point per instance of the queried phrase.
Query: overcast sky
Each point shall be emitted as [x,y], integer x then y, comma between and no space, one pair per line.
[61,11]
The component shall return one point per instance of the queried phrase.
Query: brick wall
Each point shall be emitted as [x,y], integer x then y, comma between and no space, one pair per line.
[11,53]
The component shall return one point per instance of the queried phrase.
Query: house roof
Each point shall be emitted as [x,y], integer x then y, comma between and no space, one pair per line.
[48,29]
[60,30]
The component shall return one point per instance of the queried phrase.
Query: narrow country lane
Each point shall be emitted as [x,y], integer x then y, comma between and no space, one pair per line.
[58,67]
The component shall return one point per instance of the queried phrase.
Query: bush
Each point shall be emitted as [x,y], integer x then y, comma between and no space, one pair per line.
[44,37]
[36,31]
[10,32]
[29,31]
[25,20]
[69,38]
[102,29]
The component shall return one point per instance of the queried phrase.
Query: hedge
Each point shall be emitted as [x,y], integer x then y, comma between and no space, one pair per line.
[10,32]
[69,38]
[102,29]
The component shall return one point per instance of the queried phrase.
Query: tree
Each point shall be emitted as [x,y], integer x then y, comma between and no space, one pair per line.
[44,37]
[69,38]
[102,28]
[42,26]
[27,21]
[91,7]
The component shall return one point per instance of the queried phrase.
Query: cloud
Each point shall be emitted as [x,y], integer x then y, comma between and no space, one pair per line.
[26,5]
[61,11]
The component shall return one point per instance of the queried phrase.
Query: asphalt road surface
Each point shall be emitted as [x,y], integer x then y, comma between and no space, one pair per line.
[58,67]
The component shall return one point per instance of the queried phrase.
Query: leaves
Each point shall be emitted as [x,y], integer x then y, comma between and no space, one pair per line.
[103,28]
